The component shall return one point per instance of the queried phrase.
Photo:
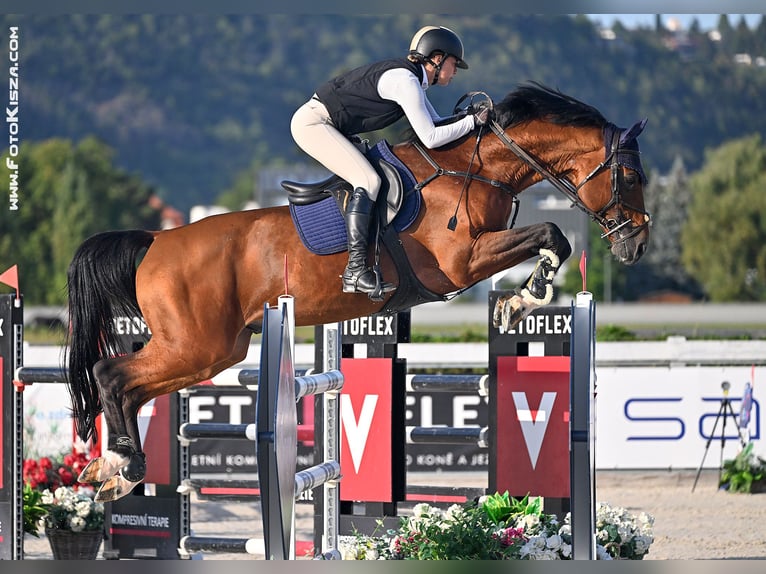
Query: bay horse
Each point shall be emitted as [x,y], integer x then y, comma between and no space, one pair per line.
[201,288]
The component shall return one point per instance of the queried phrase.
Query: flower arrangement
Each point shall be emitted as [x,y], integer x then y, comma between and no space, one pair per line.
[499,527]
[72,510]
[623,535]
[43,478]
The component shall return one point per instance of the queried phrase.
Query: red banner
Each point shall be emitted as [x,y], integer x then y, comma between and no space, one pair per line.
[533,454]
[365,410]
[154,425]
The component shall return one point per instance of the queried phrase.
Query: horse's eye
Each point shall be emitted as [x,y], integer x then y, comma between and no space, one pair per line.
[631,178]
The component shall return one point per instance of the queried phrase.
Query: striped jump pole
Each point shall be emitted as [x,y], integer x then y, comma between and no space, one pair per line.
[434,383]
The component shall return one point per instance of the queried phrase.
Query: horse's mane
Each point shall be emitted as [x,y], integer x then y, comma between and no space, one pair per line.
[534,101]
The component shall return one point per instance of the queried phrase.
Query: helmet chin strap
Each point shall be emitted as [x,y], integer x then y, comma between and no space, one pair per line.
[437,70]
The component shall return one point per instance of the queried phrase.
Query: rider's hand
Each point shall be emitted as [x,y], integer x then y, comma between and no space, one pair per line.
[480,117]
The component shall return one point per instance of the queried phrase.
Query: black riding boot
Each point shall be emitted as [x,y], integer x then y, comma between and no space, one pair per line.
[358,277]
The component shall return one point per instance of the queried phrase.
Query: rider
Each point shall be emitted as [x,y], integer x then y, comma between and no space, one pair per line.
[371,98]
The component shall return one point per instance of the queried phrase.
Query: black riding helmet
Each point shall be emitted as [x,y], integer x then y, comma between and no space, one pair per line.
[430,39]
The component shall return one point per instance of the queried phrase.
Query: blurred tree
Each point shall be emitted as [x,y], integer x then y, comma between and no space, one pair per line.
[724,239]
[667,200]
[66,193]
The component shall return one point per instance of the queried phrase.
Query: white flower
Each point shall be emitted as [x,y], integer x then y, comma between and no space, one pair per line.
[77,524]
[529,522]
[421,509]
[371,554]
[553,542]
[454,513]
[82,508]
[642,543]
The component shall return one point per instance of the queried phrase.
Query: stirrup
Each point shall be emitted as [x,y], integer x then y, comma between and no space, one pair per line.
[351,284]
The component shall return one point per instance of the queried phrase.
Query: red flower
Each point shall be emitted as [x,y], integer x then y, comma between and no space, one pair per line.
[46,473]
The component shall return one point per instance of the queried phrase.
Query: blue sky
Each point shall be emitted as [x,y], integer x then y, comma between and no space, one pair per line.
[707,21]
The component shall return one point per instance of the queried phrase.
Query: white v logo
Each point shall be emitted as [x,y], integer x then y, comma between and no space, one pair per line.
[533,423]
[356,433]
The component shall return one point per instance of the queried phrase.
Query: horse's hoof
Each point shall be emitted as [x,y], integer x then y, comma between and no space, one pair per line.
[93,471]
[114,488]
[101,468]
[513,313]
[497,313]
[515,310]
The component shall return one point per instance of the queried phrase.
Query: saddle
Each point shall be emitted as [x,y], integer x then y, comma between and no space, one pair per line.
[318,210]
[397,183]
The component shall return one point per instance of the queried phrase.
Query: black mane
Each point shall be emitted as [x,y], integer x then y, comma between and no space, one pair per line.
[534,101]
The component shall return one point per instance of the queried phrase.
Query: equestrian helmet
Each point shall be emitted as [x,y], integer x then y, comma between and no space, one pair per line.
[430,39]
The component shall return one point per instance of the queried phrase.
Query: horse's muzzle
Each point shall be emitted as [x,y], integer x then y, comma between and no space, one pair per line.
[630,246]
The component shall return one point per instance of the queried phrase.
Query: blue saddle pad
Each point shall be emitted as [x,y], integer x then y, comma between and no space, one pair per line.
[321,225]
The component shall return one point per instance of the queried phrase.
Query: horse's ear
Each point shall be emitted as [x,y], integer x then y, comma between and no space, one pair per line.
[633,132]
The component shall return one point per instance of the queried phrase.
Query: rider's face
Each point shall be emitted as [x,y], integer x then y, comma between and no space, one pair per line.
[448,71]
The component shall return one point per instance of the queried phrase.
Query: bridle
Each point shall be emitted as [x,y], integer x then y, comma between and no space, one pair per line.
[571,191]
[562,184]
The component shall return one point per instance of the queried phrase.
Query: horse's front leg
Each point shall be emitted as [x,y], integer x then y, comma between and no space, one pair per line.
[534,292]
[552,248]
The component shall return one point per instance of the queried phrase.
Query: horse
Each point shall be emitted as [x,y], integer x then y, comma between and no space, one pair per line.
[215,276]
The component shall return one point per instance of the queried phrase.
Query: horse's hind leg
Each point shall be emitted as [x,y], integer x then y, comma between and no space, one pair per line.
[123,465]
[535,291]
[126,383]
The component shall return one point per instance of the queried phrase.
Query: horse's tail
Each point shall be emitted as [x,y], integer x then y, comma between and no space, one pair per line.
[101,282]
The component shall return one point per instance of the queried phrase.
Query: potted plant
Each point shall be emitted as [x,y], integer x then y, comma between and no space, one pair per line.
[74,523]
[746,472]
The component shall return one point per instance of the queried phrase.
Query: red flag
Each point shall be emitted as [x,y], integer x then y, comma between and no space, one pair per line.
[583,271]
[11,278]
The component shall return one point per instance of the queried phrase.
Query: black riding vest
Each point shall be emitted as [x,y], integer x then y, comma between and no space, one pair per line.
[353,101]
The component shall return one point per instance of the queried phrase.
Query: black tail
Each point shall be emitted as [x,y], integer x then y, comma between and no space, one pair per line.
[102,285]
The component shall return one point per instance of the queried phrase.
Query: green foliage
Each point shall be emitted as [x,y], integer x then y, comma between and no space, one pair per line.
[501,507]
[67,192]
[724,240]
[445,335]
[614,333]
[739,474]
[33,509]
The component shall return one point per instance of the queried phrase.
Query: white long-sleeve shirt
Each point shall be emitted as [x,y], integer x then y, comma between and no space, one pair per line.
[401,86]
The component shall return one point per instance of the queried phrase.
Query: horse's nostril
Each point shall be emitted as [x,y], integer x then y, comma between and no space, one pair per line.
[641,250]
